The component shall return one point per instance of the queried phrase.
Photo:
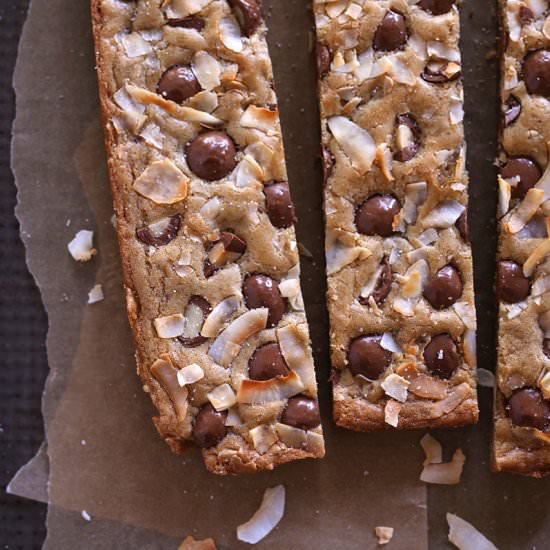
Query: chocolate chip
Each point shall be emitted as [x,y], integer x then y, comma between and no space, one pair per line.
[407,138]
[436,7]
[263,291]
[367,357]
[391,33]
[528,172]
[527,408]
[279,204]
[191,22]
[267,362]
[211,155]
[301,412]
[196,312]
[438,72]
[323,59]
[227,248]
[328,162]
[248,13]
[525,15]
[375,216]
[178,83]
[444,288]
[160,233]
[512,285]
[441,356]
[383,284]
[536,72]
[511,110]
[209,428]
[463,227]
[546,347]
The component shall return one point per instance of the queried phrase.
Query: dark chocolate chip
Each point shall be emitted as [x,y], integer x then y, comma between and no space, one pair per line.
[383,284]
[327,161]
[367,357]
[407,138]
[195,314]
[301,412]
[391,33]
[161,232]
[178,83]
[525,15]
[527,408]
[375,216]
[436,7]
[262,291]
[211,155]
[191,22]
[444,288]
[512,285]
[536,72]
[463,227]
[323,59]
[248,13]
[441,356]
[437,72]
[528,172]
[267,362]
[279,204]
[227,248]
[511,110]
[209,428]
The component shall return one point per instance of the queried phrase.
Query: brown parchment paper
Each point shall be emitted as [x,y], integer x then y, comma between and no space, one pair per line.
[104,454]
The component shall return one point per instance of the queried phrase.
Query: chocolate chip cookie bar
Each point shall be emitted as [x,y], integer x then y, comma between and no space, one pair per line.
[399,266]
[522,402]
[206,229]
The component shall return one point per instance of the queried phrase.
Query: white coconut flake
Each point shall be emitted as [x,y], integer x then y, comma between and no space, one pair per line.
[152,135]
[248,173]
[428,237]
[388,343]
[230,34]
[170,326]
[219,316]
[415,195]
[339,256]
[135,45]
[190,374]
[207,70]
[383,534]
[222,397]
[233,417]
[444,214]
[445,473]
[263,437]
[96,294]
[465,536]
[183,8]
[467,314]
[365,59]
[396,386]
[162,182]
[81,247]
[536,257]
[266,518]
[85,515]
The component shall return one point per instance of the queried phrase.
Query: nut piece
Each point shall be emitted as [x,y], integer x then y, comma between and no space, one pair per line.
[209,428]
[267,391]
[367,357]
[301,412]
[279,205]
[191,22]
[161,232]
[439,71]
[248,14]
[407,138]
[162,182]
[195,314]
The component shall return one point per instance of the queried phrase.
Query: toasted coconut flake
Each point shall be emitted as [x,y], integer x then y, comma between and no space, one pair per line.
[249,173]
[356,142]
[540,286]
[228,344]
[260,118]
[207,70]
[165,373]
[428,387]
[96,294]
[469,347]
[290,288]
[190,543]
[170,326]
[467,314]
[134,45]
[396,386]
[536,257]
[446,473]
[415,195]
[222,397]
[259,392]
[266,518]
[465,536]
[233,417]
[391,412]
[504,196]
[294,345]
[230,34]
[414,279]
[219,316]
[432,449]
[404,306]
[81,247]
[384,160]
[263,438]
[205,101]
[383,534]
[439,50]
[190,374]
[182,8]
[292,437]
[339,256]
[485,378]
[526,209]
[444,214]
[162,182]
[451,402]
[388,342]
[334,9]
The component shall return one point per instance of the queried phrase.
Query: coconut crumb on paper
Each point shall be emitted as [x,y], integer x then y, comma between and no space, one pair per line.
[96,294]
[81,247]
[437,472]
[465,536]
[190,543]
[85,515]
[383,534]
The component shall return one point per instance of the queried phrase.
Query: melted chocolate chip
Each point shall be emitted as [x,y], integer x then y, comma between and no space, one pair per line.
[279,204]
[444,288]
[512,285]
[525,15]
[267,362]
[511,110]
[196,312]
[536,72]
[301,412]
[391,34]
[367,357]
[463,227]
[328,162]
[209,428]
[211,155]
[438,72]
[441,356]
[527,408]
[526,169]
[323,59]
[375,216]
[160,233]
[191,22]
[248,13]
[178,83]
[407,138]
[383,284]
[436,7]
[263,291]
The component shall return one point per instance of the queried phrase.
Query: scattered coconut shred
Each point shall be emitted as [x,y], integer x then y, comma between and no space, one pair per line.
[465,536]
[438,472]
[96,294]
[383,534]
[81,247]
[266,517]
[190,543]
